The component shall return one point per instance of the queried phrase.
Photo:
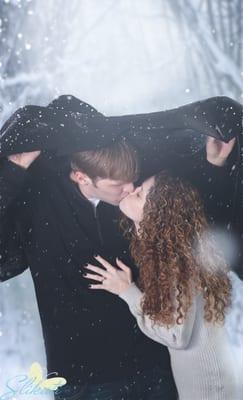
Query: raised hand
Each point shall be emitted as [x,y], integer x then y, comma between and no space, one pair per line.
[24,160]
[111,279]
[218,151]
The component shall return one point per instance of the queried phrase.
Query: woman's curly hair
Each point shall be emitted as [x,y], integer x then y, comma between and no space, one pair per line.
[177,256]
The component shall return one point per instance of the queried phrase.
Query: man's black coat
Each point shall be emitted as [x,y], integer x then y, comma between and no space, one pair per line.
[48,226]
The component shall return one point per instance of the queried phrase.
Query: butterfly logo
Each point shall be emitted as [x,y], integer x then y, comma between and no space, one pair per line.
[36,374]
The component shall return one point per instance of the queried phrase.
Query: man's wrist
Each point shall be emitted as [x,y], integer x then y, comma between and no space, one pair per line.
[219,162]
[21,165]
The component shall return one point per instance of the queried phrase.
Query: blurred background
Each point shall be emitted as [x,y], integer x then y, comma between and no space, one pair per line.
[122,56]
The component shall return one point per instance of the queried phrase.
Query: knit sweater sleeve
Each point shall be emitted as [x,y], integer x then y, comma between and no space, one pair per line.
[177,337]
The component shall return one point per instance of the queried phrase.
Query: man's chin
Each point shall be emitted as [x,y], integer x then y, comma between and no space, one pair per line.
[116,203]
[121,203]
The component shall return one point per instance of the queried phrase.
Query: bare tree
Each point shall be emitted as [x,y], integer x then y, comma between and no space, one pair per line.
[216,44]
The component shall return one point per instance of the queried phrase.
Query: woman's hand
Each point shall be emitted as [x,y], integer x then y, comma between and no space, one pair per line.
[111,279]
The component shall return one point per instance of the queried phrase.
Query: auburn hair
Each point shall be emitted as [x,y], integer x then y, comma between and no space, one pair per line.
[118,162]
[177,256]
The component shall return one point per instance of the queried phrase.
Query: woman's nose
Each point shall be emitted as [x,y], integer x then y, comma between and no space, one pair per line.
[136,190]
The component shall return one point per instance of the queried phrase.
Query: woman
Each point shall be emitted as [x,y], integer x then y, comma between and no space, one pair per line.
[183,291]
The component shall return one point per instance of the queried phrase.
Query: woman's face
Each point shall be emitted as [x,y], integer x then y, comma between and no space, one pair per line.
[132,205]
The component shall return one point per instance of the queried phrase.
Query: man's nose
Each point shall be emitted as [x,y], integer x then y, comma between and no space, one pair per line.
[129,188]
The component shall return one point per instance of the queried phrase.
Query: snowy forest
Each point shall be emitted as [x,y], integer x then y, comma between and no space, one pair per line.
[122,57]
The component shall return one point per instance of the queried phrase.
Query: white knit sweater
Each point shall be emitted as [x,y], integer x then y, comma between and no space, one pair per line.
[201,358]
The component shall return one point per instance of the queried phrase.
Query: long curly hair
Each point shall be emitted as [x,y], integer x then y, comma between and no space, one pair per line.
[177,255]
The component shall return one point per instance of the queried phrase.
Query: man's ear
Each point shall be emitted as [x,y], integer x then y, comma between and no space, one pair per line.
[80,177]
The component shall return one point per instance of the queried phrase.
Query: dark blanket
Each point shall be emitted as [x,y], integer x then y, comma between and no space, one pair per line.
[173,139]
[68,125]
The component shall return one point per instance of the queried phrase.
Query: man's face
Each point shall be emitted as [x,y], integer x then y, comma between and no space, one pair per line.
[111,191]
[108,190]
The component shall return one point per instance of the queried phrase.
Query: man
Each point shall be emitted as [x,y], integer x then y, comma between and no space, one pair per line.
[54,222]
[53,225]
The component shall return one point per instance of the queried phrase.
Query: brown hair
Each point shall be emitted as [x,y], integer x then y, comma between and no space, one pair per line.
[118,162]
[177,256]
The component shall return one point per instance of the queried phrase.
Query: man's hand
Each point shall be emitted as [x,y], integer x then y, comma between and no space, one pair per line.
[218,151]
[24,160]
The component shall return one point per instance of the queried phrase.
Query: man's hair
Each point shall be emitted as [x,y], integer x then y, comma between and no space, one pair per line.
[117,162]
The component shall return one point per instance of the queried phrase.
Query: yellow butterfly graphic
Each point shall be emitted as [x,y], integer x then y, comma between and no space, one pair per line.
[36,374]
